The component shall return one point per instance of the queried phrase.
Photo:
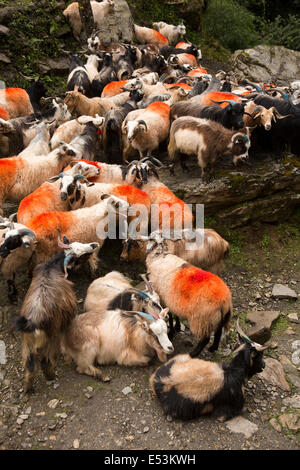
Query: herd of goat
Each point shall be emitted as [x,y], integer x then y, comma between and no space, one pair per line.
[126,102]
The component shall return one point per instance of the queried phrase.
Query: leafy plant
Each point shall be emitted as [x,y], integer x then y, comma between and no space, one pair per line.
[231,24]
[284,32]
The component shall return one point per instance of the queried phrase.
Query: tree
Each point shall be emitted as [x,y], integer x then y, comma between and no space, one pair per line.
[87,18]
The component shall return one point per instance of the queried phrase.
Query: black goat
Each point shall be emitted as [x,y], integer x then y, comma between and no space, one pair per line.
[106,75]
[166,51]
[124,67]
[48,308]
[188,388]
[284,131]
[112,142]
[230,117]
[37,91]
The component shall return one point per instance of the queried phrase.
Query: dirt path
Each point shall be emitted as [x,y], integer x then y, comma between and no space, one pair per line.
[94,415]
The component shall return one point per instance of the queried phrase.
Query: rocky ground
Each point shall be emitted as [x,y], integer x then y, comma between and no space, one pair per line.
[75,411]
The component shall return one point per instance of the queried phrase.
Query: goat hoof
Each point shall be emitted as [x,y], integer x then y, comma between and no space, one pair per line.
[212,349]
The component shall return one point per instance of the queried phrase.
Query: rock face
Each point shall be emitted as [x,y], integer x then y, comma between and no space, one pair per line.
[273,374]
[266,192]
[263,63]
[118,26]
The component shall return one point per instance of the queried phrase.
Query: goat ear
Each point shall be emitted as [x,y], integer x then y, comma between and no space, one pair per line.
[104,196]
[66,240]
[164,314]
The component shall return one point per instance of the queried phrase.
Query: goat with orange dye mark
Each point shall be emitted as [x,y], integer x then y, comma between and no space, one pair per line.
[20,176]
[16,102]
[83,225]
[208,253]
[144,129]
[113,88]
[197,72]
[149,36]
[4,114]
[166,208]
[51,195]
[181,59]
[212,96]
[190,293]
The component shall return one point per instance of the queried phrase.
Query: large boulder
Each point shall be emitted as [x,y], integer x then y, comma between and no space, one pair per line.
[265,192]
[263,63]
[118,26]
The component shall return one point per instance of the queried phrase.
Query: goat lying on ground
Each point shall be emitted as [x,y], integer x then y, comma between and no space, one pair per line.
[188,388]
[116,336]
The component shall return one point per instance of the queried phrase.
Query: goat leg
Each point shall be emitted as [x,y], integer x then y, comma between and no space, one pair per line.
[197,350]
[217,338]
[12,290]
[30,372]
[47,368]
[171,325]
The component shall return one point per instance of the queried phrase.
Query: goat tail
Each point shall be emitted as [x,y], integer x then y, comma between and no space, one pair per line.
[24,325]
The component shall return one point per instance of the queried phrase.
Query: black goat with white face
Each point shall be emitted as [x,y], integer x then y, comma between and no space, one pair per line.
[106,75]
[189,387]
[78,79]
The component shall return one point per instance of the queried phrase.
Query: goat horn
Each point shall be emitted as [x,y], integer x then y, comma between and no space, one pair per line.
[257,346]
[147,282]
[28,232]
[60,243]
[12,216]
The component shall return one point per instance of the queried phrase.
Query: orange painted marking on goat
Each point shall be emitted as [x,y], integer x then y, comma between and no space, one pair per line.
[191,282]
[133,195]
[160,107]
[40,200]
[160,37]
[218,96]
[197,72]
[190,58]
[113,88]
[45,224]
[185,86]
[180,45]
[164,197]
[9,168]
[4,114]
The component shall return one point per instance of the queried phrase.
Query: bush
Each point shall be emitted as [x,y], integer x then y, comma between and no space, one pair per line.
[283,32]
[231,24]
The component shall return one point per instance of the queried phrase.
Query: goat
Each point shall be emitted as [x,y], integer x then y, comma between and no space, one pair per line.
[178,94]
[116,336]
[70,129]
[16,102]
[171,32]
[91,66]
[210,97]
[166,51]
[106,75]
[123,174]
[284,131]
[208,255]
[16,248]
[208,140]
[81,105]
[190,387]
[165,206]
[39,145]
[124,66]
[115,291]
[50,195]
[256,115]
[182,59]
[20,176]
[112,136]
[85,144]
[78,79]
[147,35]
[17,133]
[190,293]
[144,129]
[113,88]
[36,91]
[90,194]
[85,225]
[230,117]
[48,309]
[99,10]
